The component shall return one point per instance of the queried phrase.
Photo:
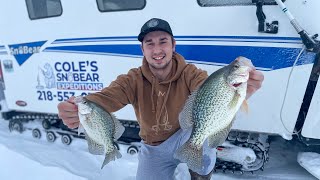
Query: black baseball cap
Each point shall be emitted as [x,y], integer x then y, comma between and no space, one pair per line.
[154,24]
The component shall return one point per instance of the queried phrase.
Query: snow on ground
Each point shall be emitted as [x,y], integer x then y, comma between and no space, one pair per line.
[311,162]
[17,166]
[24,157]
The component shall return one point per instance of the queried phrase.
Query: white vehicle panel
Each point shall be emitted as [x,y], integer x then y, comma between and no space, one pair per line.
[79,53]
[311,125]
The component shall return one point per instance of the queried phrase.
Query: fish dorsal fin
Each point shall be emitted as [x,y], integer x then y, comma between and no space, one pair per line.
[245,106]
[94,147]
[119,128]
[185,116]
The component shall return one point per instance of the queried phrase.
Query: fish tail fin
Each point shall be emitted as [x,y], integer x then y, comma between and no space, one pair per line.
[190,154]
[115,154]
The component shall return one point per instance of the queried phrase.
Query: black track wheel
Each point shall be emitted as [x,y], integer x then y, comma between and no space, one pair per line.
[132,150]
[16,125]
[46,124]
[51,137]
[66,139]
[36,133]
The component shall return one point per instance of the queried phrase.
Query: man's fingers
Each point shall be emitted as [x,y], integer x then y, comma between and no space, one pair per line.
[71,99]
[68,112]
[71,120]
[72,108]
[69,116]
[256,75]
[250,91]
[66,106]
[255,80]
[254,83]
[73,125]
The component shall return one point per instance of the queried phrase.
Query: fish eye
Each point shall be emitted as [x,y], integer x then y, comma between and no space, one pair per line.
[236,66]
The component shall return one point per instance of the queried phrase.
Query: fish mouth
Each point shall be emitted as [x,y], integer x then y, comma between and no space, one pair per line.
[236,85]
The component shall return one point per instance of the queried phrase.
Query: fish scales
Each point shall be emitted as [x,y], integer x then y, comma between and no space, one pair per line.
[213,107]
[101,129]
[206,106]
[96,128]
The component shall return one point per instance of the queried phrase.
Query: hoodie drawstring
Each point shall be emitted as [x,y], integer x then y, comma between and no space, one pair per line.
[157,126]
[152,89]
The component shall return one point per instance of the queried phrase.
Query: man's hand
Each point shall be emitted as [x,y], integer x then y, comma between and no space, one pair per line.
[68,112]
[255,82]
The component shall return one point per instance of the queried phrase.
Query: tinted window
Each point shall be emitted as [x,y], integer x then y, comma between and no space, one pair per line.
[120,5]
[205,3]
[38,9]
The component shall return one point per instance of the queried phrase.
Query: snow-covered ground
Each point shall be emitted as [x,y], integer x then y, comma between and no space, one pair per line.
[23,157]
[311,162]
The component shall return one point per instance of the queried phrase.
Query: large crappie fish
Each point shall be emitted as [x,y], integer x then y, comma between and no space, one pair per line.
[210,110]
[101,129]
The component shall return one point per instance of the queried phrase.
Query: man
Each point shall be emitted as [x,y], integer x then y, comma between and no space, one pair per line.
[157,90]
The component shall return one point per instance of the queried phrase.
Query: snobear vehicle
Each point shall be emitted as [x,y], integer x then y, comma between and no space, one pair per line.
[53,49]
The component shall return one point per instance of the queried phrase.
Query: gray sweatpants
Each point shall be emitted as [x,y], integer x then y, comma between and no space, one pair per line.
[158,163]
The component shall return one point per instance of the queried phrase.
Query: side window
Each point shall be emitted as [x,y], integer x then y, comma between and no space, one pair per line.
[120,5]
[38,9]
[206,3]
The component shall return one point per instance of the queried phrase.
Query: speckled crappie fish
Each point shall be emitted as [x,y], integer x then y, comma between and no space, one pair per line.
[101,129]
[211,109]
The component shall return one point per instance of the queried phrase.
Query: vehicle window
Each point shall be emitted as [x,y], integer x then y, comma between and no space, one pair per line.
[206,3]
[120,5]
[39,9]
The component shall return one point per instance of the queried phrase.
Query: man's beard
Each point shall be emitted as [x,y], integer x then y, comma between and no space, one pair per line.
[162,67]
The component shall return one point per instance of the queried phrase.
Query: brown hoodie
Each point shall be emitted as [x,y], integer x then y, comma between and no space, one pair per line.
[157,104]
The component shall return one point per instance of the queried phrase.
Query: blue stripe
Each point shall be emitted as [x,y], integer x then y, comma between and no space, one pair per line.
[194,38]
[96,39]
[114,49]
[2,47]
[243,37]
[100,40]
[95,53]
[3,52]
[252,41]
[263,57]
[188,40]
